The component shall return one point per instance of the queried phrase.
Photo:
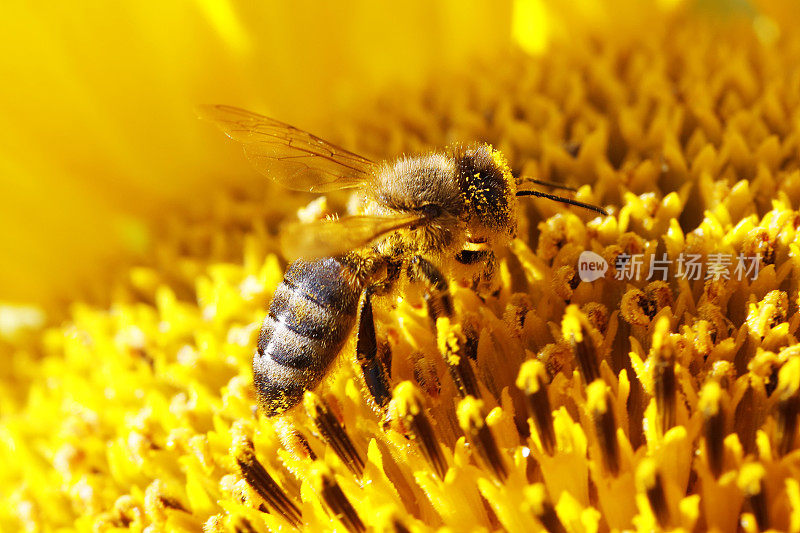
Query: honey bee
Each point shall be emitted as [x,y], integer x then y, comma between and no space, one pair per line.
[419,217]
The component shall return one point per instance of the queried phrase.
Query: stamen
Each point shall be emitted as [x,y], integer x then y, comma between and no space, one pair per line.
[240,491]
[127,511]
[714,425]
[598,401]
[788,406]
[586,356]
[650,482]
[746,418]
[399,527]
[215,524]
[473,423]
[664,374]
[751,482]
[294,441]
[425,374]
[542,508]
[333,433]
[408,409]
[240,524]
[259,479]
[575,330]
[452,345]
[157,503]
[330,491]
[228,488]
[532,380]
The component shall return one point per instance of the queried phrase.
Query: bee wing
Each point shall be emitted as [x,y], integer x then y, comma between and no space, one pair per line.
[292,157]
[329,238]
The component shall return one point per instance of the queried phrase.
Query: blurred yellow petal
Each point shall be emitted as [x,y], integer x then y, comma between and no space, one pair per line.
[98,130]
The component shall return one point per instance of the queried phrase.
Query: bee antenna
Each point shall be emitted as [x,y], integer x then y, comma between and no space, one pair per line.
[563,201]
[550,184]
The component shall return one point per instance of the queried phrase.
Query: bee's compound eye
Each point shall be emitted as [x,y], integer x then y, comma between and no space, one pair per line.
[431,210]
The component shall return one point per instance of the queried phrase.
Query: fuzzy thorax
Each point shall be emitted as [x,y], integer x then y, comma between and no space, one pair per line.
[465,194]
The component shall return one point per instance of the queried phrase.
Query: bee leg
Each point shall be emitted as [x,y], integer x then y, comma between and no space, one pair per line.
[437,295]
[375,376]
[393,271]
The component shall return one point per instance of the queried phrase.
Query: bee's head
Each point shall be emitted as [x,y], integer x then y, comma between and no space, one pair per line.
[487,191]
[465,188]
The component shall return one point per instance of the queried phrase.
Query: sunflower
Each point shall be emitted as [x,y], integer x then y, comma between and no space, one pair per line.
[659,390]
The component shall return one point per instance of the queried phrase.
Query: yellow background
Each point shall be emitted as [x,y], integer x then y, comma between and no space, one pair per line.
[98,133]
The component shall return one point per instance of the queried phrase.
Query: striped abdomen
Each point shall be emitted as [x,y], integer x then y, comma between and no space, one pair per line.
[310,317]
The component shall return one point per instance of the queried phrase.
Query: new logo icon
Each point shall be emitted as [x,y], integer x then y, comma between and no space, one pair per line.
[591,266]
